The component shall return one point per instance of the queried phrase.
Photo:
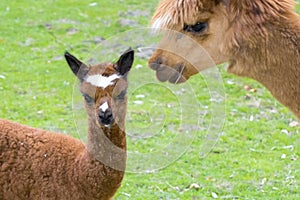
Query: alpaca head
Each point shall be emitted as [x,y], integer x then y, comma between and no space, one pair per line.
[103,87]
[225,30]
[203,21]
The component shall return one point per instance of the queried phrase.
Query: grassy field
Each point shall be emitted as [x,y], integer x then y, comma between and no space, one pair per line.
[257,155]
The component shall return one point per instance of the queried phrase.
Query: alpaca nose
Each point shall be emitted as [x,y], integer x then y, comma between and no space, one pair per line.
[157,63]
[106,117]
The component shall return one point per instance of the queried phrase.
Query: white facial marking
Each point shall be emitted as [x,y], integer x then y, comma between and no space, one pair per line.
[161,22]
[104,107]
[102,81]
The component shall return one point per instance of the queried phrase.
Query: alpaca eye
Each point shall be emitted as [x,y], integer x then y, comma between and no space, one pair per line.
[196,28]
[122,95]
[88,99]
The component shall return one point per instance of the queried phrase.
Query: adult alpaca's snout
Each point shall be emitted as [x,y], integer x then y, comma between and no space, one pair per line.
[164,72]
[157,63]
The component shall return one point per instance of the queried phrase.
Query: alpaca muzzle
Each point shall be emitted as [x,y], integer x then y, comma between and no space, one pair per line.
[106,117]
[164,72]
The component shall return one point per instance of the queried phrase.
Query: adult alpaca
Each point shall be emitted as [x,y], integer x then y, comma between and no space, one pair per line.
[37,164]
[259,38]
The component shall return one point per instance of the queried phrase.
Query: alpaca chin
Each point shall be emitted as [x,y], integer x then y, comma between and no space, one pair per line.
[107,125]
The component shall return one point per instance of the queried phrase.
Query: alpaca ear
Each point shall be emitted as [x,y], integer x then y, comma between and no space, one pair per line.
[77,67]
[123,65]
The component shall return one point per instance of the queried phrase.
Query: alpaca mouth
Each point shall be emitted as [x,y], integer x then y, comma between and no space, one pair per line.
[172,74]
[178,74]
[106,123]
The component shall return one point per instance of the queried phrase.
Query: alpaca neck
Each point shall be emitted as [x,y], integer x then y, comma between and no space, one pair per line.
[101,165]
[107,145]
[275,62]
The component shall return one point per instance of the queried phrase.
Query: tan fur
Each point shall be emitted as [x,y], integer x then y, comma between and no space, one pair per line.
[259,38]
[37,164]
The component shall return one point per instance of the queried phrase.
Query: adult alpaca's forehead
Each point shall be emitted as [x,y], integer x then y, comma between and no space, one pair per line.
[162,21]
[173,13]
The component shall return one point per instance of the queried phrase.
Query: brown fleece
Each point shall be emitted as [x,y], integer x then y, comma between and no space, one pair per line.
[33,160]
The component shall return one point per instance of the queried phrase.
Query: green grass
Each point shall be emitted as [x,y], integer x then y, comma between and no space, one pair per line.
[252,159]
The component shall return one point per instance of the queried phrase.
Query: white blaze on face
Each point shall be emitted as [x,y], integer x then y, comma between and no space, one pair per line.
[104,107]
[102,81]
[161,22]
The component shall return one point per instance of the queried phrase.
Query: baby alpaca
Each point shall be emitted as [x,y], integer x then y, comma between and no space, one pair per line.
[37,164]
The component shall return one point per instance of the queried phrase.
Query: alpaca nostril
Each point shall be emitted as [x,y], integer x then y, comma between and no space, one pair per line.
[105,115]
[101,115]
[155,65]
[160,60]
[108,114]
